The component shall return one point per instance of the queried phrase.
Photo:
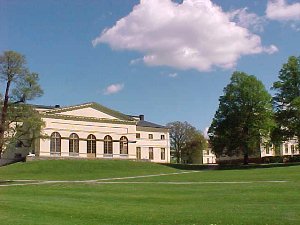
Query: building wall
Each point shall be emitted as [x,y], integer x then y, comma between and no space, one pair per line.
[157,143]
[267,150]
[289,148]
[208,156]
[88,112]
[99,129]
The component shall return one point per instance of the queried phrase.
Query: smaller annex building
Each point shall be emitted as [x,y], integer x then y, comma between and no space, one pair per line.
[91,130]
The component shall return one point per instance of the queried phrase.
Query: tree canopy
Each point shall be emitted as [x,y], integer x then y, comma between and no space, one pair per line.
[287,99]
[244,117]
[186,142]
[19,122]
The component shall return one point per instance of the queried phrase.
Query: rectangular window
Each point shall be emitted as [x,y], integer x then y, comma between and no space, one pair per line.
[293,149]
[162,137]
[138,152]
[207,152]
[286,148]
[151,153]
[138,135]
[267,150]
[163,154]
[207,160]
[150,136]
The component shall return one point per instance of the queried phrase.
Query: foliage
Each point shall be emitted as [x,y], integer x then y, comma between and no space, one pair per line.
[186,141]
[287,100]
[244,117]
[193,150]
[19,122]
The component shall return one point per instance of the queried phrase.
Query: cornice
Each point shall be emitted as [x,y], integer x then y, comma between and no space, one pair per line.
[95,106]
[86,119]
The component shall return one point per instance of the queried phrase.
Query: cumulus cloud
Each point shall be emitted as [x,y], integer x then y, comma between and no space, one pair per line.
[195,34]
[282,11]
[113,89]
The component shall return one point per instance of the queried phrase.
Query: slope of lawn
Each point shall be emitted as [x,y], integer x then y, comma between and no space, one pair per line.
[131,202]
[79,169]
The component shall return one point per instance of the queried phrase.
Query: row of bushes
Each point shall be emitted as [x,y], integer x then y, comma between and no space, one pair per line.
[281,159]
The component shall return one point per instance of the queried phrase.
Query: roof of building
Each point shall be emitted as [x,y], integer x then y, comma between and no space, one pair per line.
[144,123]
[44,106]
[141,122]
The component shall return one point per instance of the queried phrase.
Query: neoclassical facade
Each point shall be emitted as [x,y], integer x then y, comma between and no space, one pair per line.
[93,131]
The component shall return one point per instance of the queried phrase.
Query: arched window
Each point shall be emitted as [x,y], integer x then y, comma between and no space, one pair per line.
[124,145]
[55,143]
[74,144]
[91,144]
[108,145]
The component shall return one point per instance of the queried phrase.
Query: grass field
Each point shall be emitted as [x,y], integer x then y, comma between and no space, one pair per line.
[219,197]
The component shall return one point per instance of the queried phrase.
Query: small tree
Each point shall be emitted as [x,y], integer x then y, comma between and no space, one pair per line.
[17,119]
[244,117]
[185,140]
[287,100]
[193,150]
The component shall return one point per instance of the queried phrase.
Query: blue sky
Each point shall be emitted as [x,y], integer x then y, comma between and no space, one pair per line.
[169,60]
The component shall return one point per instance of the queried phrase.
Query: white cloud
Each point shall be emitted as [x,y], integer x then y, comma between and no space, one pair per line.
[195,34]
[205,132]
[295,27]
[113,89]
[282,11]
[172,75]
[248,20]
[271,50]
[135,61]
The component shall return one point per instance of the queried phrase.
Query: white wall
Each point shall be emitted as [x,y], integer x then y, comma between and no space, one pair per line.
[100,130]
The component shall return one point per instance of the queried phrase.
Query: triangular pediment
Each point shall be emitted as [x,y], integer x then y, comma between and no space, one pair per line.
[90,110]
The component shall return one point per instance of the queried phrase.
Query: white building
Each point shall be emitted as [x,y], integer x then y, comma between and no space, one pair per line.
[93,131]
[209,157]
[287,148]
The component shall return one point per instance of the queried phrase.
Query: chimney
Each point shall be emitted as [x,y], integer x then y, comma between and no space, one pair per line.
[57,106]
[142,117]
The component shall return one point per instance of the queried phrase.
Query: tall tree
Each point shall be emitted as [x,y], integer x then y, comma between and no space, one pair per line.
[287,99]
[244,117]
[185,140]
[20,85]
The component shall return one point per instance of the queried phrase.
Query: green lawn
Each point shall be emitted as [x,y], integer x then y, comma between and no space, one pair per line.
[251,203]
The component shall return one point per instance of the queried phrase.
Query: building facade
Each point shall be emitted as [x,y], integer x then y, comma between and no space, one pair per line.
[287,148]
[209,157]
[93,131]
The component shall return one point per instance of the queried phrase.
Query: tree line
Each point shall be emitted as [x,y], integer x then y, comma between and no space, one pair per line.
[246,117]
[249,116]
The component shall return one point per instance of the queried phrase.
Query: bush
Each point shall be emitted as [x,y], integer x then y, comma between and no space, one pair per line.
[281,159]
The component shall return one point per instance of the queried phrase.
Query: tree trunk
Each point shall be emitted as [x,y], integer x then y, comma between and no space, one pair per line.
[177,157]
[3,116]
[246,159]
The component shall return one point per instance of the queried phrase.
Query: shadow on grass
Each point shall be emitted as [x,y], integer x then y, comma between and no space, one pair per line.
[228,167]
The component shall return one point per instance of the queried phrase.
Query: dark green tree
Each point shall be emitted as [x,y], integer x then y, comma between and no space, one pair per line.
[18,120]
[244,118]
[287,100]
[186,141]
[192,152]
